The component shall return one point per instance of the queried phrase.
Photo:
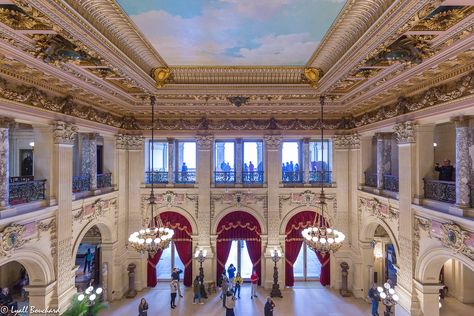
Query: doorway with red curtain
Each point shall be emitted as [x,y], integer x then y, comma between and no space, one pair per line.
[183,242]
[294,242]
[239,225]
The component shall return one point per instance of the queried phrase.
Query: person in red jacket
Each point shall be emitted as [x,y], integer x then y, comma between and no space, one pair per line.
[254,279]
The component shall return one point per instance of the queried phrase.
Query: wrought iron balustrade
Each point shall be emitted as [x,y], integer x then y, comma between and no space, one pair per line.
[443,191]
[224,177]
[156,177]
[292,177]
[315,177]
[81,184]
[21,179]
[26,191]
[390,183]
[252,177]
[104,180]
[370,179]
[185,177]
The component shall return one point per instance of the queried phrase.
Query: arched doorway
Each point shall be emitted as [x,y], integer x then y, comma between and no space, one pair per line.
[457,291]
[178,254]
[88,259]
[242,229]
[385,257]
[15,278]
[295,250]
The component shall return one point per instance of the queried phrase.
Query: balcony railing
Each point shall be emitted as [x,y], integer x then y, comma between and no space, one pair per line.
[185,177]
[292,177]
[252,177]
[81,184]
[26,191]
[156,177]
[370,179]
[443,191]
[104,180]
[224,177]
[390,183]
[315,177]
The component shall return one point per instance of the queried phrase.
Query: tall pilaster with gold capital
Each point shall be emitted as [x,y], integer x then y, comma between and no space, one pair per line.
[273,167]
[405,135]
[5,124]
[63,137]
[204,147]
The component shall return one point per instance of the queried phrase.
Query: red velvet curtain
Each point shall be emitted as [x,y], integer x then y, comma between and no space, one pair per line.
[238,225]
[151,269]
[183,242]
[293,242]
[325,260]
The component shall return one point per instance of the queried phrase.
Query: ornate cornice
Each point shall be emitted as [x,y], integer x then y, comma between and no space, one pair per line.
[64,133]
[405,132]
[130,142]
[6,122]
[350,141]
[272,141]
[204,142]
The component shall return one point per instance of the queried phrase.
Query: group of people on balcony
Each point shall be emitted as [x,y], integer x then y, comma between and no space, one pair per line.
[446,171]
[252,175]
[291,172]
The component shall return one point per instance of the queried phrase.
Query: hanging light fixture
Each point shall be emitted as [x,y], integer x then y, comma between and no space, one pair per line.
[319,236]
[155,237]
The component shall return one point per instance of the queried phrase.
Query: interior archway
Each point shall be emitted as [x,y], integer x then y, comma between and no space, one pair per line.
[14,278]
[88,258]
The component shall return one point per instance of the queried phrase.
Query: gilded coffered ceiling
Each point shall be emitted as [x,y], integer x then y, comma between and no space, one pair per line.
[101,59]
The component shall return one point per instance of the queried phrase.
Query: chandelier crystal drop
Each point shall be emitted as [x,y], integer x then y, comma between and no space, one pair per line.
[156,237]
[319,236]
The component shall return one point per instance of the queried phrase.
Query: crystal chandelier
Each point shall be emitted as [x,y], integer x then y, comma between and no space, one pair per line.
[155,237]
[320,237]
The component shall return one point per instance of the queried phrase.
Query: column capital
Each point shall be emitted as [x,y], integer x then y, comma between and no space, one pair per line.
[348,141]
[6,122]
[204,142]
[405,132]
[461,121]
[64,133]
[130,142]
[272,141]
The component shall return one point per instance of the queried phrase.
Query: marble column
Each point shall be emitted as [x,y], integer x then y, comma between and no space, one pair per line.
[171,162]
[365,162]
[429,298]
[43,158]
[463,163]
[239,160]
[405,135]
[383,157]
[64,135]
[306,160]
[5,124]
[273,165]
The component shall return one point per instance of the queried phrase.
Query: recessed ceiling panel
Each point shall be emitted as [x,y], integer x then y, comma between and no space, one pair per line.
[234,32]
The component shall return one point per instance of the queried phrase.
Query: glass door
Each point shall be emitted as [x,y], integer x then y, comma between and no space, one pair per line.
[307,266]
[239,257]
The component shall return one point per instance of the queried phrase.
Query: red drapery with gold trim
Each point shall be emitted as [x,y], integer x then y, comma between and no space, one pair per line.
[238,225]
[293,242]
[182,239]
[151,269]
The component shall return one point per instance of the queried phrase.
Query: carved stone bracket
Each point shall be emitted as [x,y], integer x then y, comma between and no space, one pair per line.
[204,142]
[405,132]
[64,133]
[350,141]
[272,141]
[11,238]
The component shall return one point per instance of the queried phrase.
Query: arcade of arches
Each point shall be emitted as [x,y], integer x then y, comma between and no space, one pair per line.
[238,158]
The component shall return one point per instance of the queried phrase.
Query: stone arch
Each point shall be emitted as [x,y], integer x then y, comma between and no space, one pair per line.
[429,263]
[105,227]
[230,209]
[368,231]
[297,210]
[185,213]
[39,266]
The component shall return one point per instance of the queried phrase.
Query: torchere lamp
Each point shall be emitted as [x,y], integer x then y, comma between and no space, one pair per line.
[276,256]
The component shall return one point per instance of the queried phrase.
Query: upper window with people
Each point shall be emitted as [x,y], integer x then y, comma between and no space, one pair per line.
[185,162]
[320,161]
[156,161]
[291,169]
[224,171]
[252,170]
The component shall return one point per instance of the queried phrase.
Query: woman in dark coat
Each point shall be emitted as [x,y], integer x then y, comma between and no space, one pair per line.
[143,308]
[269,305]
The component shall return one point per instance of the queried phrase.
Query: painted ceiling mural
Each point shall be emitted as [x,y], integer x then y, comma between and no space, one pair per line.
[234,32]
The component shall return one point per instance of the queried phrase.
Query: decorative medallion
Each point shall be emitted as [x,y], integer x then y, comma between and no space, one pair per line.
[11,238]
[238,100]
[455,237]
[313,75]
[161,76]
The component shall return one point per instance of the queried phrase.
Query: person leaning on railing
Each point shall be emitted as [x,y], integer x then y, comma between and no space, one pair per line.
[446,171]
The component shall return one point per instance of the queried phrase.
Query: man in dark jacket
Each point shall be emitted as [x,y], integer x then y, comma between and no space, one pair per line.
[175,276]
[374,297]
[269,305]
[446,171]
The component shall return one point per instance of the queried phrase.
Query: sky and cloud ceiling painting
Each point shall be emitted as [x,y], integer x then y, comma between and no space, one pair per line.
[234,32]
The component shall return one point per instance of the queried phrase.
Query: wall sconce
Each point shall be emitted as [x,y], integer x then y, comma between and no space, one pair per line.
[32,144]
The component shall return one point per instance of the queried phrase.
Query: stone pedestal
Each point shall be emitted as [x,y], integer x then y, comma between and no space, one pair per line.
[131,292]
[344,285]
[428,295]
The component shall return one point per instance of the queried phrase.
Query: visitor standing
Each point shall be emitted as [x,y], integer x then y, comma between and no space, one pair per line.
[237,284]
[374,297]
[175,276]
[269,306]
[174,289]
[254,280]
[230,304]
[446,171]
[225,288]
[231,273]
[197,289]
[143,308]
[88,261]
